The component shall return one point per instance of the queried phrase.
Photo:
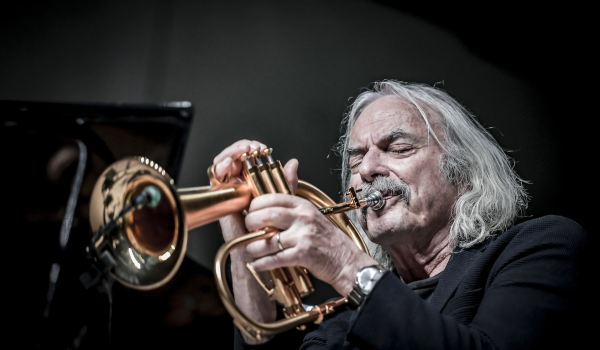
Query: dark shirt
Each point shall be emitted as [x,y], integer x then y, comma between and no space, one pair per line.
[425,288]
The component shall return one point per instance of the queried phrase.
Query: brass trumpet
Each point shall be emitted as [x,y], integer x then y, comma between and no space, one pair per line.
[148,241]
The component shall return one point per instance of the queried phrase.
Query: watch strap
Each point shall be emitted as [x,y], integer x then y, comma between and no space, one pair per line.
[355,297]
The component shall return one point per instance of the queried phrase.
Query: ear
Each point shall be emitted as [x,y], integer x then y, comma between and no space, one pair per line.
[291,173]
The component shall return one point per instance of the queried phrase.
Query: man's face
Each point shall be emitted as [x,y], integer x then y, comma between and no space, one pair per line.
[390,139]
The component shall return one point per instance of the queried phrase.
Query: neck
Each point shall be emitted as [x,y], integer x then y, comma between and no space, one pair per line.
[419,260]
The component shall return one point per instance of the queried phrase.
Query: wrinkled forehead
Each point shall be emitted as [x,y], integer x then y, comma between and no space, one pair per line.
[386,115]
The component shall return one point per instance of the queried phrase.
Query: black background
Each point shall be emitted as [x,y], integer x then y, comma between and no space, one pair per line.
[283,73]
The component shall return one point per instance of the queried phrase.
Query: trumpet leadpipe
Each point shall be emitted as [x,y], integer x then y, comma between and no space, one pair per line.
[373,200]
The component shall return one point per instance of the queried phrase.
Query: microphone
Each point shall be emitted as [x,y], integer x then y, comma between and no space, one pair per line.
[150,197]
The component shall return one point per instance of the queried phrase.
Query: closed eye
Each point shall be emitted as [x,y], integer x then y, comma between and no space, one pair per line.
[404,150]
[401,149]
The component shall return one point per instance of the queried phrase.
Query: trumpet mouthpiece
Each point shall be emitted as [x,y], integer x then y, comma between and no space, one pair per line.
[375,200]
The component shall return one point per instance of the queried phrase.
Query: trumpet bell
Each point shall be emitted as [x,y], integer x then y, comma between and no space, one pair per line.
[148,244]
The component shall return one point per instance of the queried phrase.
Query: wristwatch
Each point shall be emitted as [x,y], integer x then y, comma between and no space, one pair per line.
[366,277]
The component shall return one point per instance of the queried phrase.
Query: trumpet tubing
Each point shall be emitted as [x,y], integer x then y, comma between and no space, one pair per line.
[203,205]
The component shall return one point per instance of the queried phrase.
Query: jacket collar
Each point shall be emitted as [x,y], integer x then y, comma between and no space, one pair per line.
[460,262]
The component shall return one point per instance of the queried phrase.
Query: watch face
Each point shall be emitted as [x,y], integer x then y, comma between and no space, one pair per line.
[367,278]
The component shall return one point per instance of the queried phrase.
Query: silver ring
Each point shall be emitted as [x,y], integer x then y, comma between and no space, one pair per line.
[279,242]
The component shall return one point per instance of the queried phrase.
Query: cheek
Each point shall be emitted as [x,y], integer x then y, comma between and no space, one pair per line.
[423,176]
[414,171]
[435,191]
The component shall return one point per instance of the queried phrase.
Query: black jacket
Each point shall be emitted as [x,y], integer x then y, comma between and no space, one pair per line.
[518,290]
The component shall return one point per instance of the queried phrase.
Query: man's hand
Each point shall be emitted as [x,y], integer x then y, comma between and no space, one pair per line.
[309,240]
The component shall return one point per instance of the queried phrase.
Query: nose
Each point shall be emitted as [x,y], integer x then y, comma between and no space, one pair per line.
[371,166]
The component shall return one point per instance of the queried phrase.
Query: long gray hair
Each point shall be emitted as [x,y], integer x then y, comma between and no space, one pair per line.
[492,194]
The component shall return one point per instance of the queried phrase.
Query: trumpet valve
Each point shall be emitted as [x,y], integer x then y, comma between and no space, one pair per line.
[255,156]
[267,153]
[247,160]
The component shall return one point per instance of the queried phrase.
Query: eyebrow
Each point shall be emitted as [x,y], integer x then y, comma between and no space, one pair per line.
[397,133]
[354,151]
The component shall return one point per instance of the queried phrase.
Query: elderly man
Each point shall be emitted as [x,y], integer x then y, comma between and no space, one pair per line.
[448,270]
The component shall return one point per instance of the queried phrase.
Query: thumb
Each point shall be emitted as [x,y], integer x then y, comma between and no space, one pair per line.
[291,173]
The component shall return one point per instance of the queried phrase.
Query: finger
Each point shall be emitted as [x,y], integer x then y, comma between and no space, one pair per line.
[275,200]
[276,217]
[256,146]
[223,168]
[234,151]
[270,246]
[284,258]
[264,247]
[233,168]
[291,173]
[238,148]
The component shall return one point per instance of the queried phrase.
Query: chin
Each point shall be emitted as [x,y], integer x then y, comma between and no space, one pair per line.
[382,228]
[380,232]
